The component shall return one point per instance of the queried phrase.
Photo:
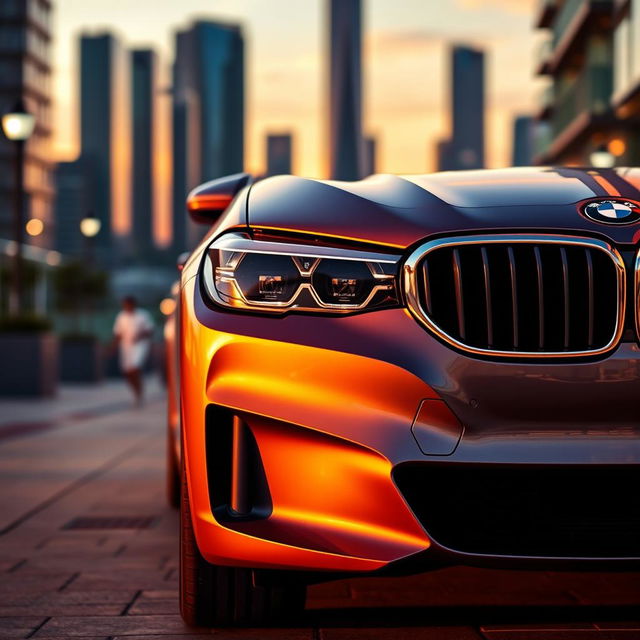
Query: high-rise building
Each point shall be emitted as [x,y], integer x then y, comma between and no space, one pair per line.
[279,154]
[144,96]
[25,74]
[105,136]
[73,203]
[444,156]
[465,149]
[370,157]
[624,140]
[346,148]
[523,139]
[208,113]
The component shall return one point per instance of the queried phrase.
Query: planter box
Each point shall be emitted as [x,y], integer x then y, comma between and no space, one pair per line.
[80,360]
[29,364]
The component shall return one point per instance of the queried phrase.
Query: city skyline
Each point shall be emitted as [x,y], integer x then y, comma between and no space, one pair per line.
[404,49]
[286,69]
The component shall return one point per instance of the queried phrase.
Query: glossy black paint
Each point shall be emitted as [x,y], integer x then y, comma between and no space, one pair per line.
[400,211]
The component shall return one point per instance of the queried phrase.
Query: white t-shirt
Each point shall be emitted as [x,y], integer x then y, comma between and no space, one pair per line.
[129,326]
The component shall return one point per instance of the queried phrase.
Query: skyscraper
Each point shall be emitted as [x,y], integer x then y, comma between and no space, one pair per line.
[346,152]
[208,113]
[279,150]
[370,156]
[444,155]
[105,135]
[25,74]
[465,149]
[73,203]
[144,94]
[523,129]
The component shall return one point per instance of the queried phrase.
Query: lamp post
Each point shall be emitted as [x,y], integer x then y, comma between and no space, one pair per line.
[18,125]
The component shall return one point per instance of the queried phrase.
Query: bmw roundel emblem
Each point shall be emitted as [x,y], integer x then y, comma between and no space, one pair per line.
[612,211]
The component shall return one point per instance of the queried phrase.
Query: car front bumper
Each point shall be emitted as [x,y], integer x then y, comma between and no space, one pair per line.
[330,403]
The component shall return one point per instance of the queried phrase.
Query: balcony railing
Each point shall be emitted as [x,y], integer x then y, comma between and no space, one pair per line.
[545,101]
[542,54]
[545,12]
[567,12]
[590,94]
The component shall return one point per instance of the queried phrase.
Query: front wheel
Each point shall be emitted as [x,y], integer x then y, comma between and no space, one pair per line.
[212,595]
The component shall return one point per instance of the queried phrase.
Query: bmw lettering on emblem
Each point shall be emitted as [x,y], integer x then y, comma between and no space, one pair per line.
[612,212]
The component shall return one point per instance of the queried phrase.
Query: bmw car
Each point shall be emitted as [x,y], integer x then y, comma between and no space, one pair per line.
[404,373]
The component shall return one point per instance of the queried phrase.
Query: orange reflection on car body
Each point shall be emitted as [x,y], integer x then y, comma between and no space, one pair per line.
[306,408]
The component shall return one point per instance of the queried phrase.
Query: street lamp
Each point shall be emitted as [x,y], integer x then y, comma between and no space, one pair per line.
[90,227]
[602,158]
[18,125]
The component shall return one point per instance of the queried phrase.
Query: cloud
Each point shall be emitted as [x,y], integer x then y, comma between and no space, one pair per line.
[400,42]
[511,6]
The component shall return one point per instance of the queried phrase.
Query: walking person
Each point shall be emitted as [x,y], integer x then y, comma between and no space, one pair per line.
[132,332]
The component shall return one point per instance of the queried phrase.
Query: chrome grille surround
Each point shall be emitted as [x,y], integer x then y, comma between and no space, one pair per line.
[411,282]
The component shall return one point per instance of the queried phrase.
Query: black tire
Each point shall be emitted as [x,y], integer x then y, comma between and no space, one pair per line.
[173,474]
[215,596]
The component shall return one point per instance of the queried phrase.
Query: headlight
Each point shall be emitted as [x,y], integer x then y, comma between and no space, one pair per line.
[252,275]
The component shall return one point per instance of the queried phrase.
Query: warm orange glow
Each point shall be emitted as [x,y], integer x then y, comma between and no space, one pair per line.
[167,306]
[617,147]
[209,202]
[34,227]
[606,185]
[162,166]
[121,152]
[326,418]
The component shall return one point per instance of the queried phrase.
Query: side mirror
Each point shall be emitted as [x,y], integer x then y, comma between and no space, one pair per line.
[207,202]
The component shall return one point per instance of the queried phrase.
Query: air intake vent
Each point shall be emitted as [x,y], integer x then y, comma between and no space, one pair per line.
[519,295]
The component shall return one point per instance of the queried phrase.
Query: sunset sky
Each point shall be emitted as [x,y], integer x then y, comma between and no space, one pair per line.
[405,64]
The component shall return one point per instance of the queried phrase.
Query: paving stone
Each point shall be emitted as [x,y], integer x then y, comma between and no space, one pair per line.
[48,610]
[19,626]
[112,626]
[154,606]
[235,634]
[560,634]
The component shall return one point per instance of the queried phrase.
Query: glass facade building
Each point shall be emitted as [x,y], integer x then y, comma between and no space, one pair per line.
[105,138]
[72,204]
[144,96]
[279,154]
[465,148]
[523,140]
[346,145]
[208,114]
[25,74]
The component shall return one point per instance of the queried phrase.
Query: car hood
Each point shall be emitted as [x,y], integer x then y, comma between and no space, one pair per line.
[399,211]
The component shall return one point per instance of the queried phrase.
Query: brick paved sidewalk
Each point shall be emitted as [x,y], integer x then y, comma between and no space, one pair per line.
[66,574]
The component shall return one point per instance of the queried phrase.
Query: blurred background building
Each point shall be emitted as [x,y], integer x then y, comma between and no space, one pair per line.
[25,73]
[279,153]
[208,114]
[144,121]
[74,202]
[346,148]
[590,58]
[370,159]
[105,137]
[465,148]
[523,141]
